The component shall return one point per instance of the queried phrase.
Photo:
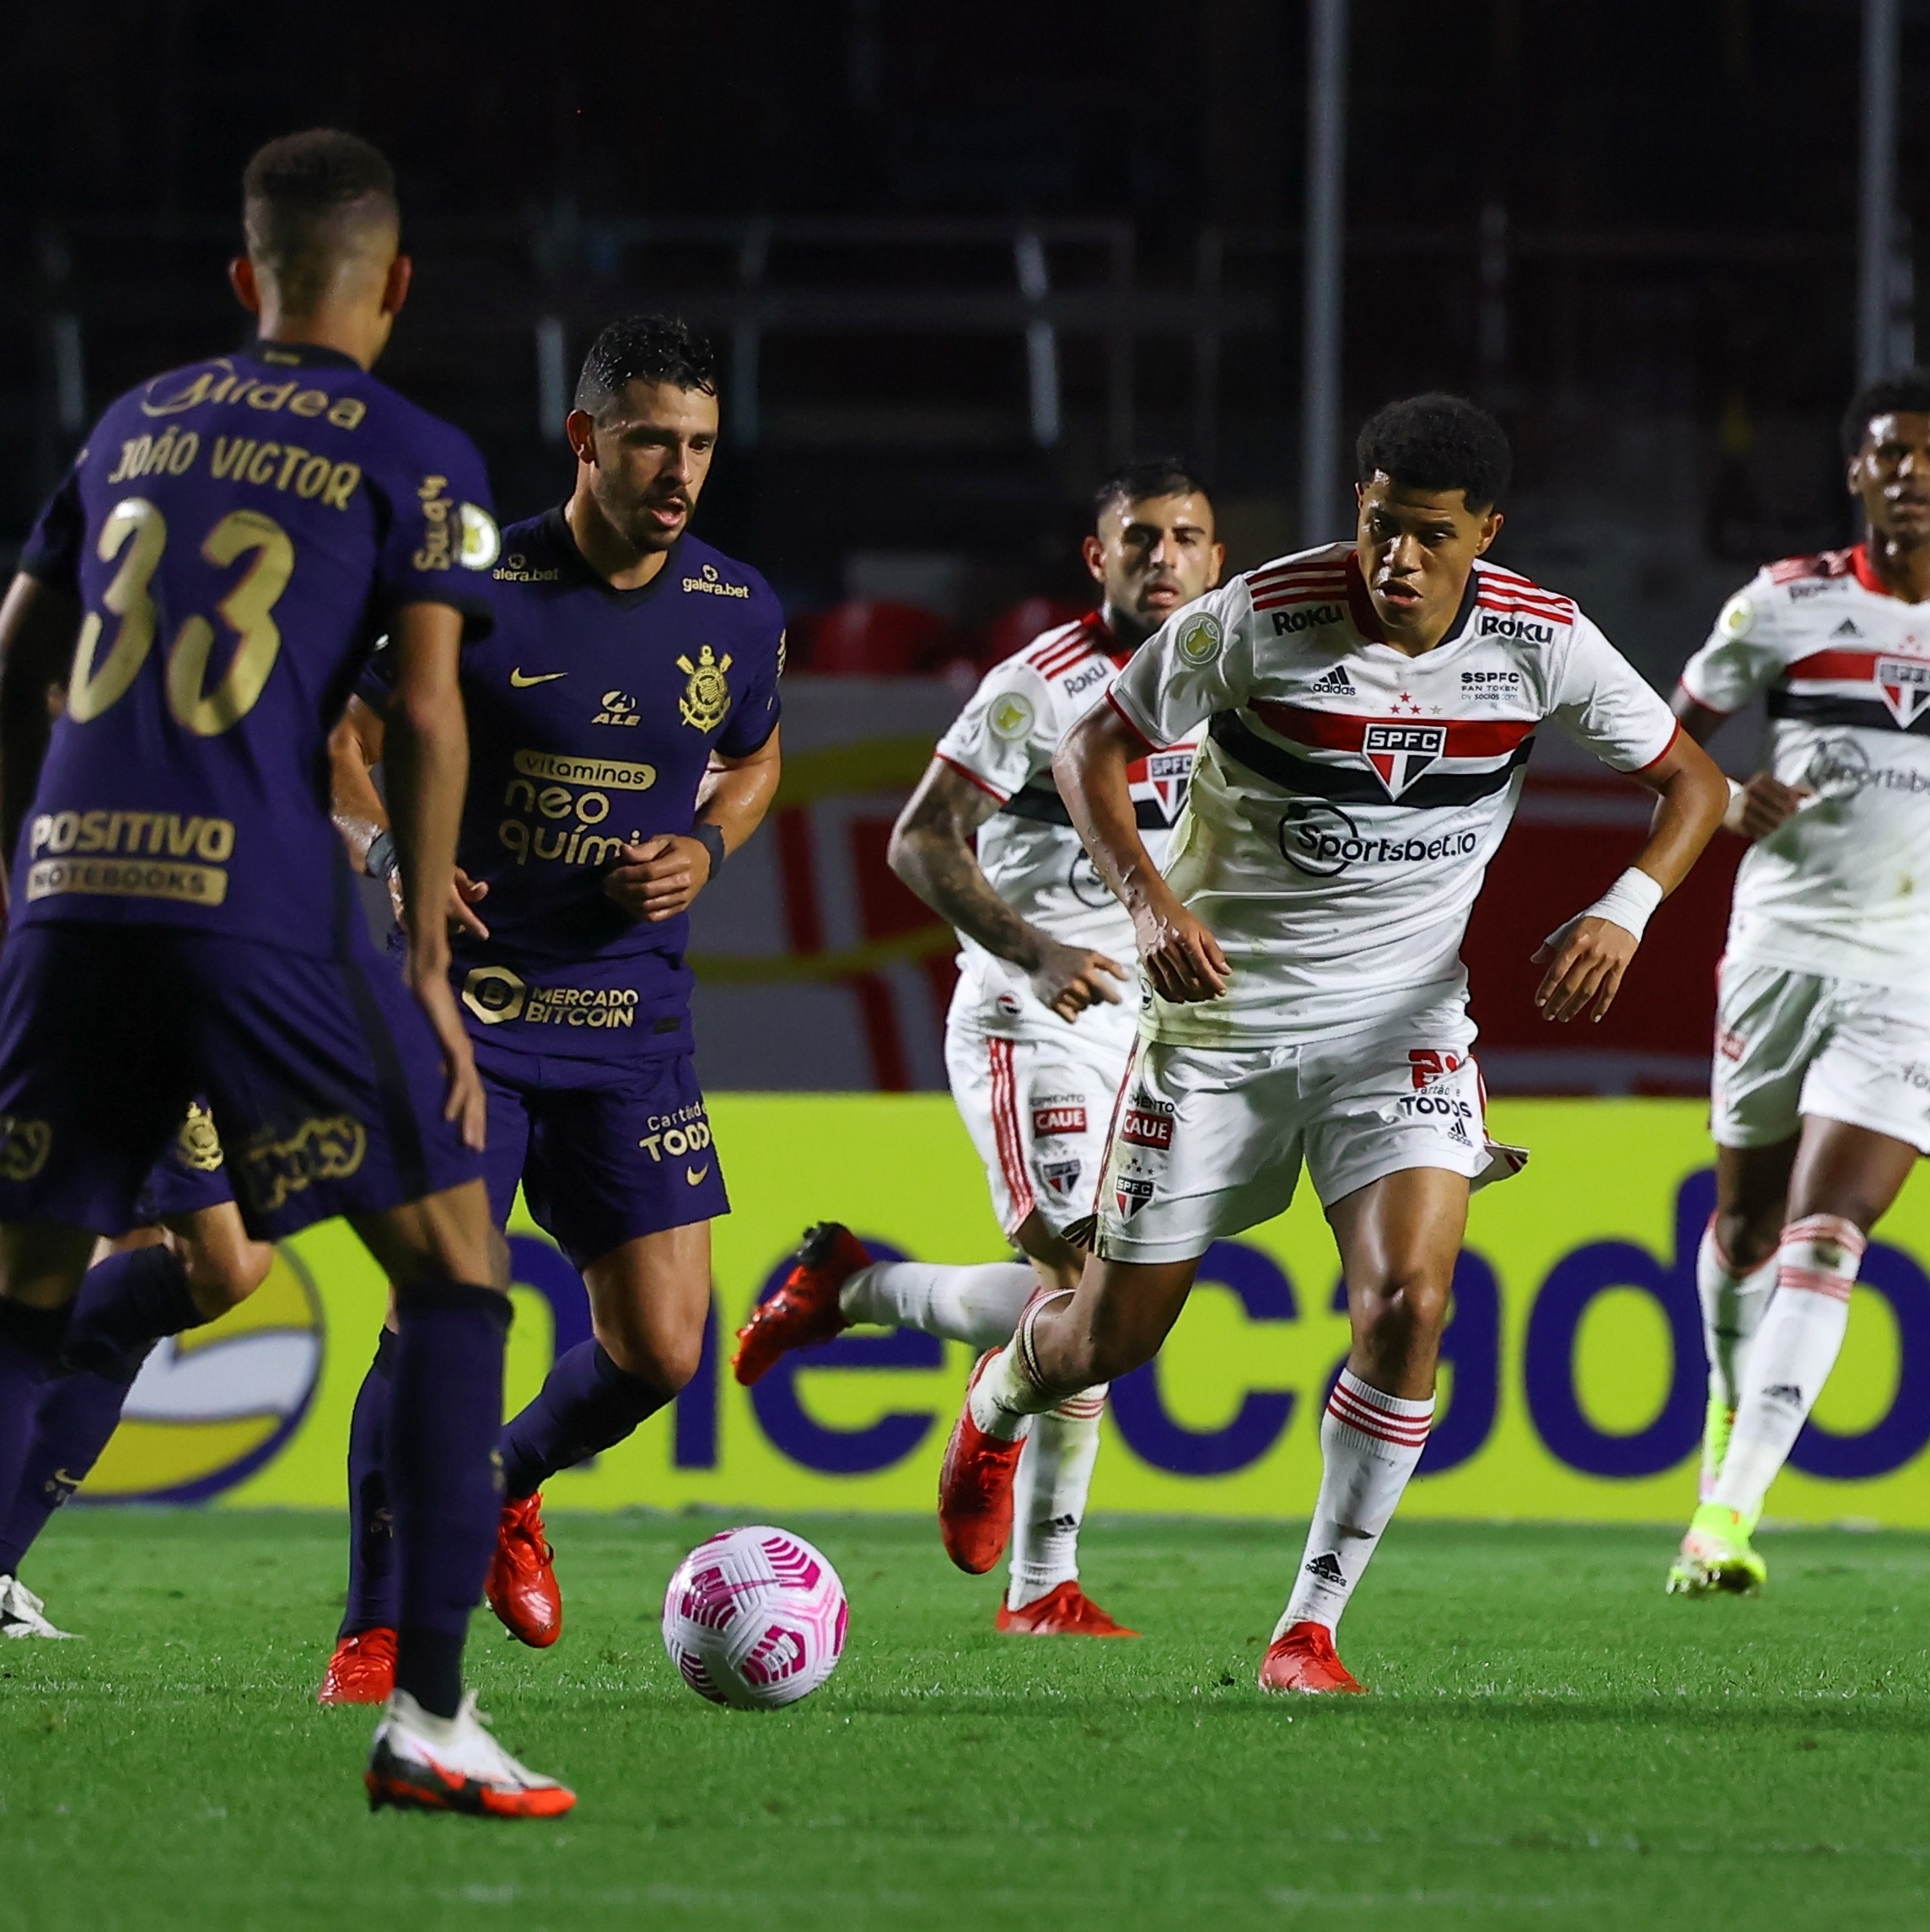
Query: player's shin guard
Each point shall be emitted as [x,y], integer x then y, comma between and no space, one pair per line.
[444,1484]
[126,1305]
[980,1305]
[1012,1389]
[371,1603]
[586,1404]
[1370,1445]
[1049,1496]
[77,1415]
[1793,1353]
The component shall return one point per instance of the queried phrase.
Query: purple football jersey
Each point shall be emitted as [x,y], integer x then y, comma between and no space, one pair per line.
[238,533]
[592,712]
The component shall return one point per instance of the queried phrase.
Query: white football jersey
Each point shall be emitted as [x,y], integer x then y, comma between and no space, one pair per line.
[1843,888]
[1347,798]
[1003,741]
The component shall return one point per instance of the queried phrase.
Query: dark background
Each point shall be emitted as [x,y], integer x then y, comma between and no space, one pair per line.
[1627,225]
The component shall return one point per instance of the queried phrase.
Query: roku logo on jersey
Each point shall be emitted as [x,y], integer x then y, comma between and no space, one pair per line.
[1309,617]
[1520,628]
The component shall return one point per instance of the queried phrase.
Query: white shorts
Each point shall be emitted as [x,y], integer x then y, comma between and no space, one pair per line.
[1208,1143]
[1791,1043]
[1036,1101]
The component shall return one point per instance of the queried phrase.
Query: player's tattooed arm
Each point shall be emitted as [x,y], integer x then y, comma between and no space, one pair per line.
[1762,805]
[1180,957]
[932,852]
[425,758]
[354,750]
[659,877]
[1587,958]
[38,624]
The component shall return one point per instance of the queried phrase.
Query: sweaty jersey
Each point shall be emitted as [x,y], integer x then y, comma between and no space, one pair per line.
[1348,798]
[237,533]
[1003,741]
[592,712]
[1843,888]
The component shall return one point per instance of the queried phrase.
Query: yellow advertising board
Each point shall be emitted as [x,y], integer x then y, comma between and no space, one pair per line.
[1572,1391]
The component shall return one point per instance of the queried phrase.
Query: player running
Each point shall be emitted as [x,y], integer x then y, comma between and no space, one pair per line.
[184,921]
[1369,708]
[1037,1037]
[1820,1085]
[623,741]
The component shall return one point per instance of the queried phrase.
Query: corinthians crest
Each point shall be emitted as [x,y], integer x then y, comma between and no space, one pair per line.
[198,1145]
[707,695]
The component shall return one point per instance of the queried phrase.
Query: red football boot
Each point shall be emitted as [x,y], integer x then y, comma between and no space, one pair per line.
[1064,1610]
[1304,1660]
[361,1670]
[522,1583]
[804,1310]
[975,1489]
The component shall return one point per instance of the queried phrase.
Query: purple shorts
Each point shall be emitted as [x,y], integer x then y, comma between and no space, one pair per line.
[190,1175]
[605,1153]
[322,1075]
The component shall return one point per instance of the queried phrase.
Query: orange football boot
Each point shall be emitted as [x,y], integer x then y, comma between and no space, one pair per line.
[1064,1610]
[803,1311]
[975,1489]
[522,1583]
[361,1670]
[1304,1659]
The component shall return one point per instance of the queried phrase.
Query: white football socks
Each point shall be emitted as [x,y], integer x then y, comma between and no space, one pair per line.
[980,1305]
[1370,1445]
[1049,1496]
[1010,1390]
[1793,1352]
[1733,1304]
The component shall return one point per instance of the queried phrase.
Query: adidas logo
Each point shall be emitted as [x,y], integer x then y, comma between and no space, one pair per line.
[1327,1568]
[1336,682]
[1847,629]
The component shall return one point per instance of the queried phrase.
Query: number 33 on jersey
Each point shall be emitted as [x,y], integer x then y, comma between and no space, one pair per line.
[240,506]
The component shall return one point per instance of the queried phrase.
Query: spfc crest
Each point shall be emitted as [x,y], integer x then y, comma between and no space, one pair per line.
[707,695]
[1129,1193]
[1401,753]
[1167,773]
[1904,683]
[1061,1176]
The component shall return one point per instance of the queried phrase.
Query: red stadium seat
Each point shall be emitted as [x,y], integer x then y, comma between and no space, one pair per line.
[1014,629]
[861,639]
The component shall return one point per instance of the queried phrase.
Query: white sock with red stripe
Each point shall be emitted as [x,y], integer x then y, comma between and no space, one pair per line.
[1049,1496]
[1793,1353]
[1733,1304]
[1370,1445]
[979,1305]
[1003,1400]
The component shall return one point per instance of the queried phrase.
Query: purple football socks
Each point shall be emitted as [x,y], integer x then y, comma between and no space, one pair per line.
[586,1404]
[371,1523]
[444,1486]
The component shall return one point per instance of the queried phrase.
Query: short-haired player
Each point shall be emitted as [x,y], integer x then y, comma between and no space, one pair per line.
[1820,1082]
[1367,708]
[184,919]
[623,741]
[1042,1021]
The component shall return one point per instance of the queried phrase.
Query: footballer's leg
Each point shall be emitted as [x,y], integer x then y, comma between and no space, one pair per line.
[1399,1238]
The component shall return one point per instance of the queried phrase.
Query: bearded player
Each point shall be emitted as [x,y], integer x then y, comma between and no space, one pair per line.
[1037,1037]
[623,742]
[184,917]
[1369,708]
[1820,1085]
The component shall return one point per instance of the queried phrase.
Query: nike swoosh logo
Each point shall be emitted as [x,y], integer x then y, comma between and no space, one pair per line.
[519,681]
[694,1175]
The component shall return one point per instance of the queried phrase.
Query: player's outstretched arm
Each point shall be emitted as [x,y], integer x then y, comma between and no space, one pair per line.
[425,756]
[1181,958]
[659,877]
[1587,958]
[932,851]
[354,750]
[1763,805]
[37,625]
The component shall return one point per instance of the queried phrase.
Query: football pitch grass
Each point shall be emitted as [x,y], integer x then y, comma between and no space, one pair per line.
[1551,1741]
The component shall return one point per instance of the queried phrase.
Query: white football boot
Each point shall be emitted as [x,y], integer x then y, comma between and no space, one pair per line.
[21,1613]
[422,1763]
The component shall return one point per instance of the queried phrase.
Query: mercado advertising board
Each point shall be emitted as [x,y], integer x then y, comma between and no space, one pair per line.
[1572,1387]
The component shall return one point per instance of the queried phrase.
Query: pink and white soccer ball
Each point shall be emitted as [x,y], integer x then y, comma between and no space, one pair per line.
[755,1617]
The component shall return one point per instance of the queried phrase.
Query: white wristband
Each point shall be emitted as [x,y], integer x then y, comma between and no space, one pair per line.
[1629,903]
